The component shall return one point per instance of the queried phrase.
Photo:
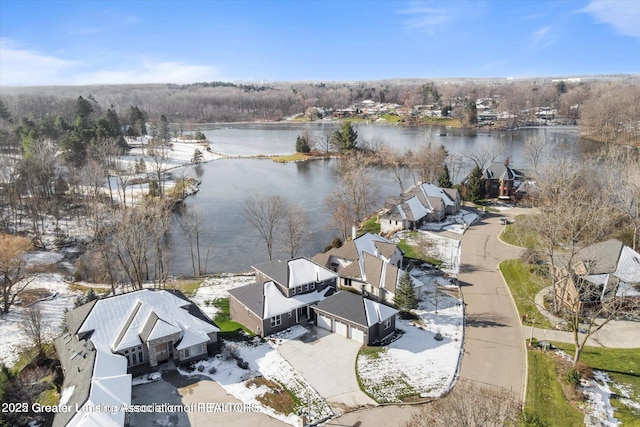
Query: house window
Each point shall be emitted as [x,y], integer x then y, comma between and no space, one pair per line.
[312,286]
[140,356]
[387,323]
[290,314]
[306,287]
[186,353]
[200,349]
[293,291]
[276,321]
[134,359]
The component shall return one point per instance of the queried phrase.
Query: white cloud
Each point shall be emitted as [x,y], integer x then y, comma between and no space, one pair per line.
[543,37]
[624,16]
[20,67]
[430,16]
[150,72]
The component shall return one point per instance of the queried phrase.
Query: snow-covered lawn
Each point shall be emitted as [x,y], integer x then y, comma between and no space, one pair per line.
[436,246]
[52,308]
[455,223]
[264,361]
[417,363]
[214,288]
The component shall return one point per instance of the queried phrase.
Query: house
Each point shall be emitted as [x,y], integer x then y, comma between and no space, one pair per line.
[356,317]
[419,204]
[501,181]
[110,338]
[282,295]
[598,273]
[369,264]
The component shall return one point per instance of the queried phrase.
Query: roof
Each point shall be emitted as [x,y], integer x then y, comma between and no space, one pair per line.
[355,308]
[610,258]
[117,323]
[431,190]
[265,300]
[498,170]
[294,272]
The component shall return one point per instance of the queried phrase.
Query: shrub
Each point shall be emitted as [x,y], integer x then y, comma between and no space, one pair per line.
[243,364]
[572,377]
[200,368]
[212,370]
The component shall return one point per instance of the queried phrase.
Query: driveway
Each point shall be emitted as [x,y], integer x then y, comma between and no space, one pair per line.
[328,362]
[494,346]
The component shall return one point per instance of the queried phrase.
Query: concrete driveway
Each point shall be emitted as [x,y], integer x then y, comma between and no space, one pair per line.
[328,362]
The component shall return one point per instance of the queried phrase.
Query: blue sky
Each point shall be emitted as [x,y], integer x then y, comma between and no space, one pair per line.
[101,42]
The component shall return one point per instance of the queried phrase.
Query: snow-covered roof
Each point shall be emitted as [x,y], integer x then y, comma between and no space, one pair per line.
[431,190]
[376,312]
[418,209]
[275,303]
[119,322]
[302,271]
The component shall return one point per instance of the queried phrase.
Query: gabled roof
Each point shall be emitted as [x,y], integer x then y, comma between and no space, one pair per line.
[119,321]
[265,300]
[499,170]
[355,308]
[431,190]
[295,272]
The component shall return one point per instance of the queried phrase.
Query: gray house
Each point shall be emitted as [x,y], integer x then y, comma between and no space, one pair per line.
[282,295]
[110,338]
[356,317]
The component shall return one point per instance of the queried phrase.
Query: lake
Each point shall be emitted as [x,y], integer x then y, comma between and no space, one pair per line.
[227,183]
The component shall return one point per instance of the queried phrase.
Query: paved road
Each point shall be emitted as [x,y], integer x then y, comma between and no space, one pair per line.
[494,346]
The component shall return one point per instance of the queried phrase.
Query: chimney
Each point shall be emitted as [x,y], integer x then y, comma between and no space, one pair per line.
[506,162]
[354,232]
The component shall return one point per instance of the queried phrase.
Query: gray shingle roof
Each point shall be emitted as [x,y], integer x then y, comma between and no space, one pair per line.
[278,271]
[252,296]
[346,305]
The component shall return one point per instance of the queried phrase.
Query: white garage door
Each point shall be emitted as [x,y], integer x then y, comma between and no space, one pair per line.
[341,329]
[324,322]
[357,335]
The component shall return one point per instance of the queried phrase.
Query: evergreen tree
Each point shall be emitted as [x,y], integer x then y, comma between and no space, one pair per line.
[302,144]
[405,298]
[197,157]
[345,139]
[473,186]
[444,180]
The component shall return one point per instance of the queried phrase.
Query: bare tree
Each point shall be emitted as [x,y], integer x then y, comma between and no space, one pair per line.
[193,225]
[427,162]
[395,162]
[356,184]
[536,151]
[470,405]
[339,207]
[571,213]
[264,213]
[32,325]
[294,233]
[485,155]
[14,277]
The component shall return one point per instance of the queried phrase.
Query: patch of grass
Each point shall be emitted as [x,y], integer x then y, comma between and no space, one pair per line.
[370,225]
[279,398]
[412,251]
[392,118]
[102,291]
[223,318]
[623,367]
[49,397]
[187,287]
[524,284]
[296,157]
[441,121]
[518,235]
[544,392]
[372,352]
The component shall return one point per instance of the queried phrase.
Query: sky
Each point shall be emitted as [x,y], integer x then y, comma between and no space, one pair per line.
[51,42]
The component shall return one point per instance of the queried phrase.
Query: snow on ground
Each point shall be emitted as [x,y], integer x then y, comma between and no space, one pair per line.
[51,308]
[216,287]
[598,404]
[265,361]
[417,363]
[457,223]
[434,245]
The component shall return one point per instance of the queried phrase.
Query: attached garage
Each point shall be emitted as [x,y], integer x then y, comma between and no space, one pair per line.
[340,328]
[356,334]
[324,322]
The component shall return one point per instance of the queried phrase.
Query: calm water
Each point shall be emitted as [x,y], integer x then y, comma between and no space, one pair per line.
[234,247]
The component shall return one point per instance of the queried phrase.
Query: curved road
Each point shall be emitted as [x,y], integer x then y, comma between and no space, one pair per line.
[494,344]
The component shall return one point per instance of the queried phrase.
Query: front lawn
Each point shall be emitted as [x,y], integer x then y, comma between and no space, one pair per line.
[623,367]
[544,392]
[524,284]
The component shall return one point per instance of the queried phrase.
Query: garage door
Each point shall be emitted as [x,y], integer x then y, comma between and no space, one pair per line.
[324,322]
[341,329]
[357,334]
